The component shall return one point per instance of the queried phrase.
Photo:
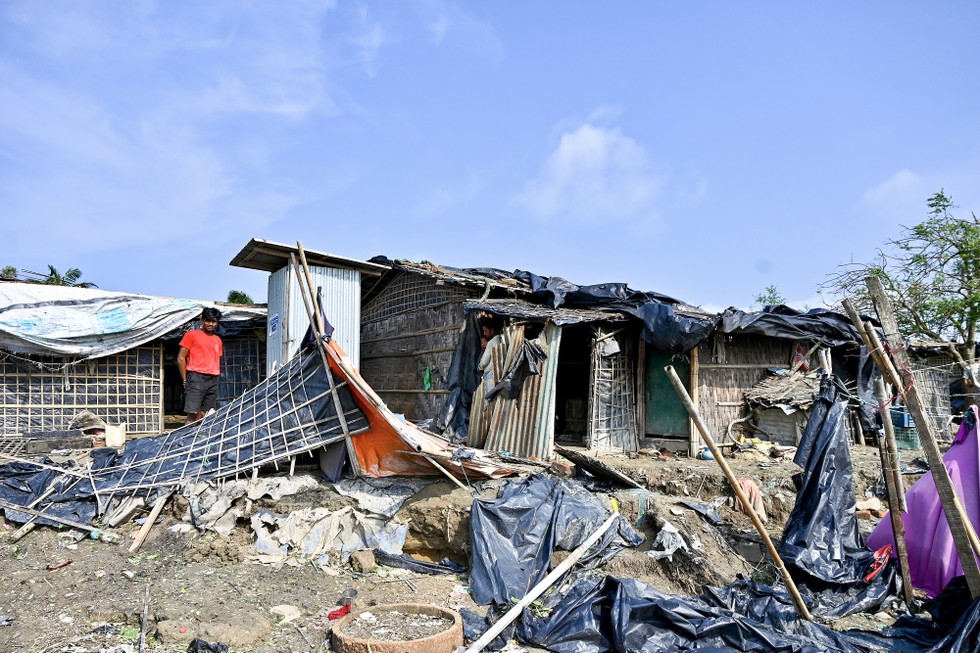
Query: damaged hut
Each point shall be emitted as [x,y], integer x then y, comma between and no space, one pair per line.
[593,356]
[65,350]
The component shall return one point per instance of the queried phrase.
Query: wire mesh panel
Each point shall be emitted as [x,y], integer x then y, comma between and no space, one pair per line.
[242,367]
[933,377]
[290,413]
[123,388]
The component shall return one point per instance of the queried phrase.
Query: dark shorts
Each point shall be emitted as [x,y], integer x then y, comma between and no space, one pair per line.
[200,393]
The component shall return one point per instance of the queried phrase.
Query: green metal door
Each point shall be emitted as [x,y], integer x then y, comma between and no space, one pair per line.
[665,413]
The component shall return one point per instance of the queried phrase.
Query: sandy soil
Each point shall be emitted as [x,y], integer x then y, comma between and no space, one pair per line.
[203,586]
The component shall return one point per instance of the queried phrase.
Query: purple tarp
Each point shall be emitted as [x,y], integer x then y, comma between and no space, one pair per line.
[932,554]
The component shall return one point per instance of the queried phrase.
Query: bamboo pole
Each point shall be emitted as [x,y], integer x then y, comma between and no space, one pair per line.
[965,538]
[319,329]
[801,608]
[885,365]
[893,485]
[540,588]
[145,530]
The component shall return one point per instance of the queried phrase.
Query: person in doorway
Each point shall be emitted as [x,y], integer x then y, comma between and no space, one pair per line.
[489,338]
[199,362]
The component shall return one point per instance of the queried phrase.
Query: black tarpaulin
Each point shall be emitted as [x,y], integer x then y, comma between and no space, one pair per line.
[514,535]
[784,322]
[463,378]
[822,545]
[617,614]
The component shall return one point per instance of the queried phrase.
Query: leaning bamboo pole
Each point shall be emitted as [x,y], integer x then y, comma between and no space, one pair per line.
[318,328]
[692,410]
[893,485]
[964,536]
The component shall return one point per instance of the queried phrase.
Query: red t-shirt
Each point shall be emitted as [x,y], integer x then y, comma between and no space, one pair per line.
[203,352]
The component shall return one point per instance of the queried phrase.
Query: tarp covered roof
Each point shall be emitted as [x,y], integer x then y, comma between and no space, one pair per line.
[784,322]
[668,324]
[37,319]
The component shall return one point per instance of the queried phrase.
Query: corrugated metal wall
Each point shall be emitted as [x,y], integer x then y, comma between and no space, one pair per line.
[526,426]
[341,291]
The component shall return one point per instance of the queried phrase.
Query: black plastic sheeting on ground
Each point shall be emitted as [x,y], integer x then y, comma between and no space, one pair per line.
[822,546]
[514,535]
[22,484]
[627,616]
[405,561]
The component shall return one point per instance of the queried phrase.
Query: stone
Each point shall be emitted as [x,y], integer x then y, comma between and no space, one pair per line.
[363,561]
[862,514]
[286,612]
[563,468]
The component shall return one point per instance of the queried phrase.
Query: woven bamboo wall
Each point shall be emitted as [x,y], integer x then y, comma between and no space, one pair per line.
[410,326]
[124,388]
[728,366]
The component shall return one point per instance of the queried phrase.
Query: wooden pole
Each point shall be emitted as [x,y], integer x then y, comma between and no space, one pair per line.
[540,588]
[965,538]
[893,485]
[801,608]
[319,329]
[884,362]
[145,530]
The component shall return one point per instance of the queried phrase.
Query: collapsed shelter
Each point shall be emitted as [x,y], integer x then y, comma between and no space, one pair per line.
[64,350]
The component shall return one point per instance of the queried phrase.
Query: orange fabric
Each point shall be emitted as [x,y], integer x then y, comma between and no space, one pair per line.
[203,352]
[390,447]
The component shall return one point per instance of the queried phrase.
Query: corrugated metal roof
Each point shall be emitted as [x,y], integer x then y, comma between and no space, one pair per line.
[260,254]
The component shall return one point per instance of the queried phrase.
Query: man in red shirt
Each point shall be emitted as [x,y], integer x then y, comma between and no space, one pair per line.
[199,363]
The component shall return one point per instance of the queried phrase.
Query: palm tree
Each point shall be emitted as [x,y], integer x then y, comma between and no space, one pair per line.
[239,297]
[70,278]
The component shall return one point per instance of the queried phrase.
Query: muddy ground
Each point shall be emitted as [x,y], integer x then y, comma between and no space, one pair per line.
[203,585]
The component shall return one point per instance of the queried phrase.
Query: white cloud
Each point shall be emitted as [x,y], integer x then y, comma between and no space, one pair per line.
[443,199]
[899,195]
[123,124]
[605,113]
[448,23]
[595,175]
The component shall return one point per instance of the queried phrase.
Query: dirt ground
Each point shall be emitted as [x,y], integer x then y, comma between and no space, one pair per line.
[202,585]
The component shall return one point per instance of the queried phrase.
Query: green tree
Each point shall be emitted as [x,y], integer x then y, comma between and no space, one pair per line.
[769,297]
[931,273]
[239,297]
[8,272]
[54,278]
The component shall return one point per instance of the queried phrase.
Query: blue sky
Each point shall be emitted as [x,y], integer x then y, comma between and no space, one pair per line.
[703,150]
